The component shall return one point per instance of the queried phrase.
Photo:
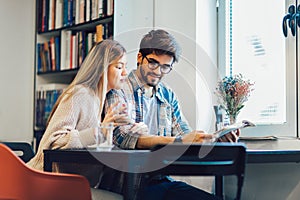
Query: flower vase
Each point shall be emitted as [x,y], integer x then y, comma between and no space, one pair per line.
[232,119]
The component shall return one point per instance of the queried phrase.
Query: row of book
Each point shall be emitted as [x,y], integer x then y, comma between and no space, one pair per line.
[46,96]
[69,50]
[55,14]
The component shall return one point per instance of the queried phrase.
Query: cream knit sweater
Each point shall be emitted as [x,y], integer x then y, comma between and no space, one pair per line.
[72,125]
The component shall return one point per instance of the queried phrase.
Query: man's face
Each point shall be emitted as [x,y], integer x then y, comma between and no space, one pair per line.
[152,77]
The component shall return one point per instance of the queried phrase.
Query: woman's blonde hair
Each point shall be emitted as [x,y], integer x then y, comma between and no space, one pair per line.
[94,69]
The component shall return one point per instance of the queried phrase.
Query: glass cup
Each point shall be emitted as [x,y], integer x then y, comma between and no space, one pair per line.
[104,137]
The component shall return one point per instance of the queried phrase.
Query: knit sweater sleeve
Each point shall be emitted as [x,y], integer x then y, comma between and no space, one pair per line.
[74,121]
[73,124]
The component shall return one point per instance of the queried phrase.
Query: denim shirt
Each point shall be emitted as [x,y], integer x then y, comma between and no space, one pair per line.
[171,121]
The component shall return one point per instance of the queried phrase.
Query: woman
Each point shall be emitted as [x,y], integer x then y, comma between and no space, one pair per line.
[75,116]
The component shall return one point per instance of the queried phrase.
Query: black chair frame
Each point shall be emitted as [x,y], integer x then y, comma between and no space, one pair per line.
[217,159]
[23,147]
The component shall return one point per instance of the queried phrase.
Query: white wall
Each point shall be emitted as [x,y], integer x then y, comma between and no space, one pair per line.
[206,62]
[16,69]
[134,18]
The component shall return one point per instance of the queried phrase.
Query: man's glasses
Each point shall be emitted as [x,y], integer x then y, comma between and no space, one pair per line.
[152,64]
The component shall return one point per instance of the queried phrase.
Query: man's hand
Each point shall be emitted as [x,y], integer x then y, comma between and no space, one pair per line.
[232,137]
[139,128]
[196,137]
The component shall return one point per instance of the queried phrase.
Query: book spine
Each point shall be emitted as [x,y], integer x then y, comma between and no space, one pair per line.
[70,12]
[47,15]
[100,10]
[81,11]
[73,11]
[110,7]
[77,11]
[39,59]
[47,56]
[58,14]
[65,13]
[52,49]
[57,53]
[63,49]
[44,16]
[80,44]
[87,10]
[71,52]
[40,15]
[99,33]
[43,58]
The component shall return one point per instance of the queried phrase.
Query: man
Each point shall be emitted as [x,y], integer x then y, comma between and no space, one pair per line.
[157,106]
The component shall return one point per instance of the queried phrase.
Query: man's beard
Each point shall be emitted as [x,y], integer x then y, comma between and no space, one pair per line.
[145,78]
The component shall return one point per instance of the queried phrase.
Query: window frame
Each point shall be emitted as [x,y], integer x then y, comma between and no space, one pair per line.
[290,127]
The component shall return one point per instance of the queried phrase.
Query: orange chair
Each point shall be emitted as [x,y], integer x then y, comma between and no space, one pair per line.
[18,181]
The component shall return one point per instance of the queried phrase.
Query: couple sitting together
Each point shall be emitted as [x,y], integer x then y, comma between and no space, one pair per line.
[95,95]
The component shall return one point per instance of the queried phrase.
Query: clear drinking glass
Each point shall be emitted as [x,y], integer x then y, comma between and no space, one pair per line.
[104,138]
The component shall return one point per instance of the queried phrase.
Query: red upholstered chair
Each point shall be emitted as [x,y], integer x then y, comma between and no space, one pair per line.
[18,181]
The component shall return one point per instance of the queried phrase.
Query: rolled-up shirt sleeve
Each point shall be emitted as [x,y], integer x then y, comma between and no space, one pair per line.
[123,137]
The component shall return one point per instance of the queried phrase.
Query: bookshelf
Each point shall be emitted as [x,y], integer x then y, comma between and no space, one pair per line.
[65,32]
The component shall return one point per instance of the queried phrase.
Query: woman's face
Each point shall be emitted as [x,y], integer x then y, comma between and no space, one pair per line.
[117,73]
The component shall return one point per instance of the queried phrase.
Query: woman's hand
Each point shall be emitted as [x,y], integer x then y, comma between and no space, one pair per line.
[117,115]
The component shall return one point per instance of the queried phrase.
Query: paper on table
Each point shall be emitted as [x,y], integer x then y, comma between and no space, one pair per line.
[233,127]
[254,138]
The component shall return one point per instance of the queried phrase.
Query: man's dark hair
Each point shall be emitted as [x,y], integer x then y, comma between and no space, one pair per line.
[160,42]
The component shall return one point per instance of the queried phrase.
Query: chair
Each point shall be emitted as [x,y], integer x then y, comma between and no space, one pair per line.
[219,159]
[18,181]
[22,149]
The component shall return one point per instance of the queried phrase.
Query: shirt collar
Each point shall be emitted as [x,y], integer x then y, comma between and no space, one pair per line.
[138,85]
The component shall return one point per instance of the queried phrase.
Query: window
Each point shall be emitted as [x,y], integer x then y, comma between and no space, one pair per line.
[251,42]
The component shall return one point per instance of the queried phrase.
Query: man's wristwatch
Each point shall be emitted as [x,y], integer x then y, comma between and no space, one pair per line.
[178,139]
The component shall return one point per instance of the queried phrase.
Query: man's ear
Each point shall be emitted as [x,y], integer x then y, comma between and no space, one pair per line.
[139,58]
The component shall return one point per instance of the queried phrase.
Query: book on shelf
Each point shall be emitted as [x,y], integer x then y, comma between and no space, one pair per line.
[55,14]
[47,56]
[94,9]
[65,50]
[74,50]
[52,53]
[51,19]
[58,14]
[99,33]
[51,86]
[70,13]
[100,8]
[81,14]
[42,56]
[57,53]
[39,15]
[81,47]
[46,97]
[39,59]
[110,7]
[46,16]
[87,10]
[68,50]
